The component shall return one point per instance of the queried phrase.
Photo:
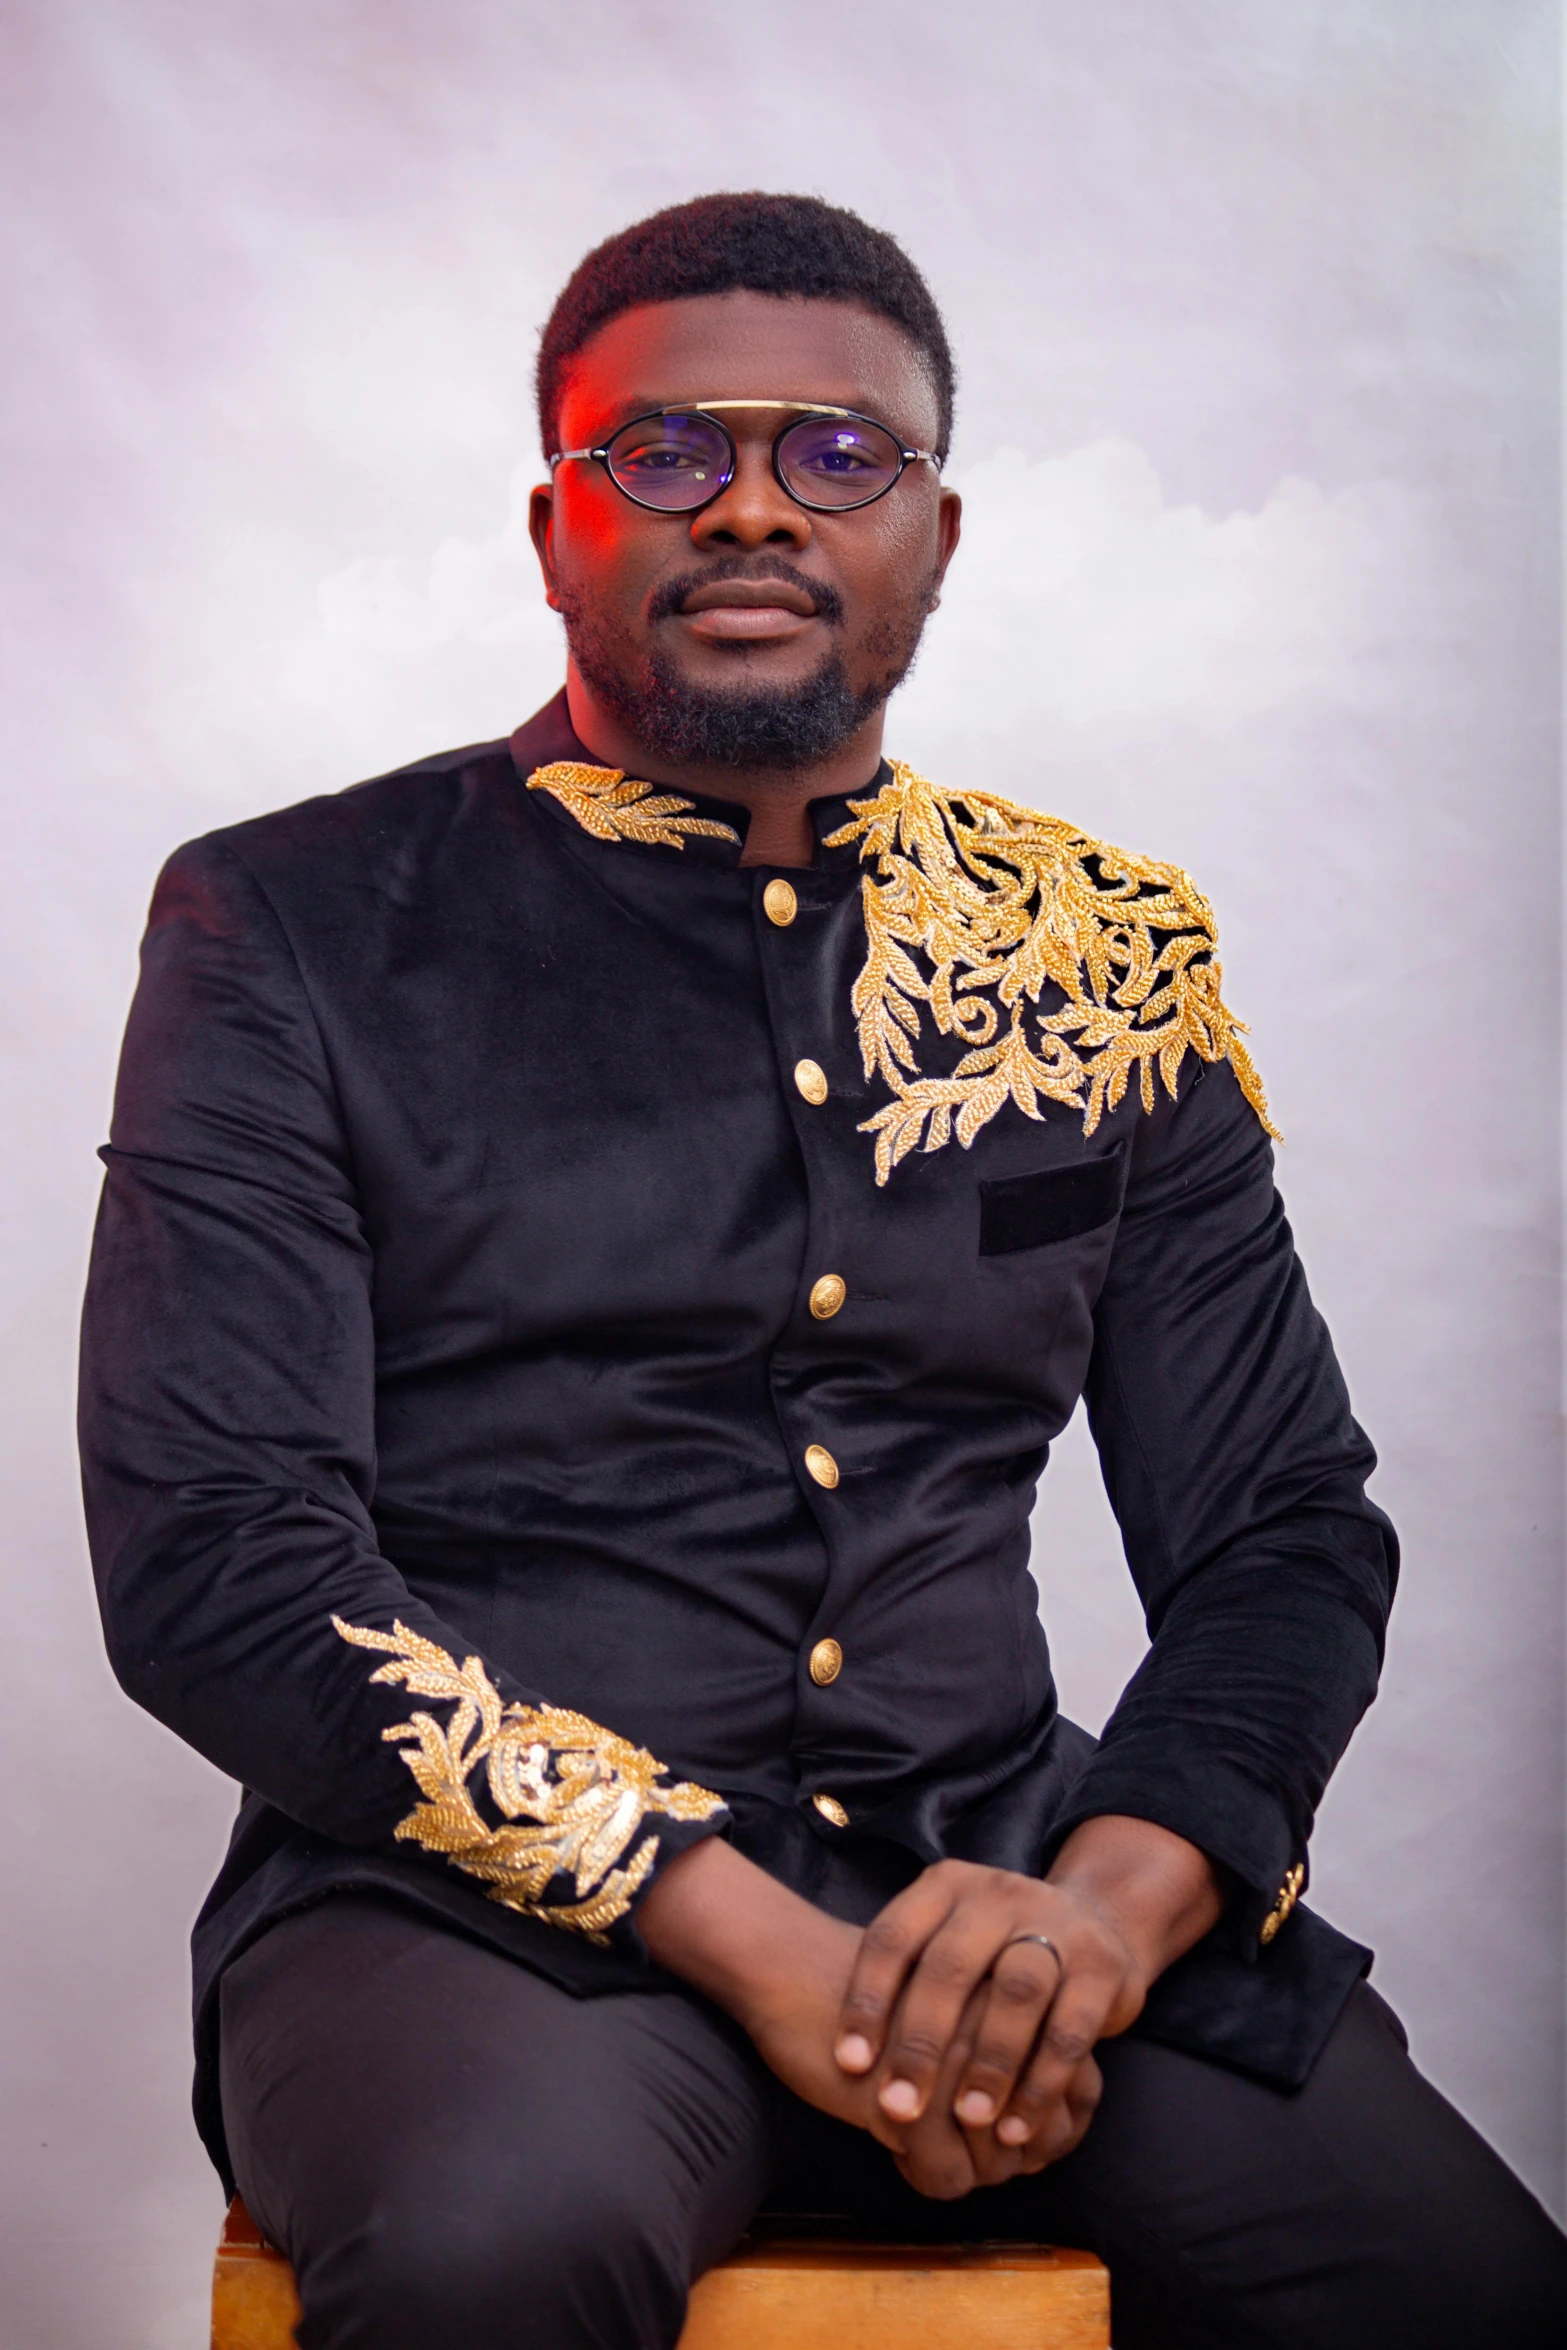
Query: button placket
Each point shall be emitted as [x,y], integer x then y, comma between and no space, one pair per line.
[780,903]
[788,942]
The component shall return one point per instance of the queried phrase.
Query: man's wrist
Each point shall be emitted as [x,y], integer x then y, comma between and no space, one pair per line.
[1161,1892]
[731,1931]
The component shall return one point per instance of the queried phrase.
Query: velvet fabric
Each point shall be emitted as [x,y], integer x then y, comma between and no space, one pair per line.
[453,1266]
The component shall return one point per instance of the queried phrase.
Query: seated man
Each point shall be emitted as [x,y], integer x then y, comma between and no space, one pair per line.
[601,1231]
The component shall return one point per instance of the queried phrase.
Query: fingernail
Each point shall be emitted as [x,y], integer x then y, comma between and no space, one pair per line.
[901,2099]
[854,2052]
[1012,2129]
[974,2106]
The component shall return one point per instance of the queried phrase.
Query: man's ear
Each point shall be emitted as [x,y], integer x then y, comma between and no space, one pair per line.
[541,529]
[949,529]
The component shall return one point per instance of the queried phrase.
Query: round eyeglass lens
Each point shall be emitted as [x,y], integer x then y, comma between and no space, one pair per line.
[675,463]
[838,461]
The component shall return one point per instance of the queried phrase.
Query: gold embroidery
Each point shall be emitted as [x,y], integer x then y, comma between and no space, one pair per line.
[997,897]
[1289,1894]
[612,807]
[587,1790]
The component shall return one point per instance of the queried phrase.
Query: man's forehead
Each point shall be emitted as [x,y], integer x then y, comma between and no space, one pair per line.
[744,346]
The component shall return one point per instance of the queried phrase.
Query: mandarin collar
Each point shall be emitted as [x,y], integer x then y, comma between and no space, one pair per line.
[549,736]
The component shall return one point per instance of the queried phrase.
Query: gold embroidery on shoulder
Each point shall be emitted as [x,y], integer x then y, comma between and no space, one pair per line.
[586,1791]
[1000,901]
[613,806]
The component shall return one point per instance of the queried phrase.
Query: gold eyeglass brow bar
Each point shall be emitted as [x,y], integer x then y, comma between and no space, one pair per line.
[678,459]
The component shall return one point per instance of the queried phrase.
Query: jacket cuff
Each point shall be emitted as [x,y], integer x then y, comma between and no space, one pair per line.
[561,1819]
[1238,1822]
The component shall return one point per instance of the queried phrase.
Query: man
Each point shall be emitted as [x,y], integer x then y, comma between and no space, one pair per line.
[600,1234]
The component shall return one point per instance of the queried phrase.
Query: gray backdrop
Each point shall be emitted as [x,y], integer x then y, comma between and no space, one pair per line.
[1256,306]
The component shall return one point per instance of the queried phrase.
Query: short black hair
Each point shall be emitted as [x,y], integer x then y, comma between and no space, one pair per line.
[766,244]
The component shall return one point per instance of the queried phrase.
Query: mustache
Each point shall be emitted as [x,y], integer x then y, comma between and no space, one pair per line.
[667,599]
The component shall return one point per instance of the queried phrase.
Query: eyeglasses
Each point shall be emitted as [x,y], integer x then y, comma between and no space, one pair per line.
[677,460]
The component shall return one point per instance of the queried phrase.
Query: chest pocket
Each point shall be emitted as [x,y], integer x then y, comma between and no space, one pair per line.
[1059,1203]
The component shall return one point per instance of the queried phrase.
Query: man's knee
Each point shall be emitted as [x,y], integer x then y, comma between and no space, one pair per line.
[533,2258]
[466,2154]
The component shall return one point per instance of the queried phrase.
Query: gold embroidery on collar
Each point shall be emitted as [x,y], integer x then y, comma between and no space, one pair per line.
[996,897]
[612,806]
[587,1790]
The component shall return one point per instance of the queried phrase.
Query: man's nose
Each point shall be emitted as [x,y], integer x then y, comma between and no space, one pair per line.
[754,511]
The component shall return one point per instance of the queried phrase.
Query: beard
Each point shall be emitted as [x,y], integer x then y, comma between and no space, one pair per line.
[769,727]
[762,726]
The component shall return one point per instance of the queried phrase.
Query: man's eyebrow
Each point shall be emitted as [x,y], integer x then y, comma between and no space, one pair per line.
[620,412]
[624,412]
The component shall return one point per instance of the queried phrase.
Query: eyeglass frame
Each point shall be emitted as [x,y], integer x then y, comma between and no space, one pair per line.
[802,408]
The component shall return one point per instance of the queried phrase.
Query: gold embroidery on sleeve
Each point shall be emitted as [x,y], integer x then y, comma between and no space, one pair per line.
[584,1791]
[999,899]
[613,806]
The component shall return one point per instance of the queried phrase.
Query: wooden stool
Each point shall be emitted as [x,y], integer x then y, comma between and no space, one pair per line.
[780,2296]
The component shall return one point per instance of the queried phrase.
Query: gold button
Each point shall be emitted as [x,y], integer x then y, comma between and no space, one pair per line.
[780,904]
[826,1662]
[831,1809]
[827,1296]
[821,1465]
[1289,1894]
[811,1080]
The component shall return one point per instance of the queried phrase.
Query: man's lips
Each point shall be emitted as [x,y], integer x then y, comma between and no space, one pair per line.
[752,594]
[747,611]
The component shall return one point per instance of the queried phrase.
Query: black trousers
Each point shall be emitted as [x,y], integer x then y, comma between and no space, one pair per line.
[456,2153]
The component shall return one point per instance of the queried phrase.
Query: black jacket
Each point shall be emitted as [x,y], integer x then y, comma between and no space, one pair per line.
[459,1376]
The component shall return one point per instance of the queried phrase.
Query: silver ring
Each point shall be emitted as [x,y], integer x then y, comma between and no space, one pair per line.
[1045,1943]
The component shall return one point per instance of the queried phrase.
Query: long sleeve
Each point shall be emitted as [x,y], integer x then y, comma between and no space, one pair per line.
[1238,1477]
[228,1439]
